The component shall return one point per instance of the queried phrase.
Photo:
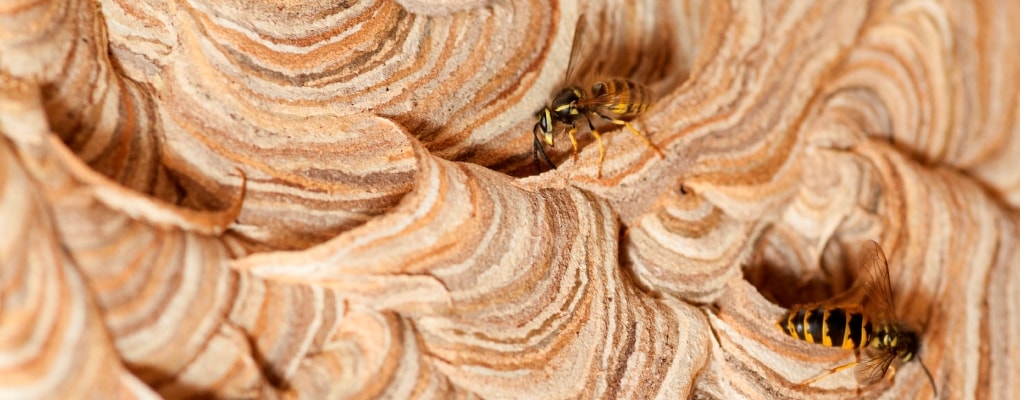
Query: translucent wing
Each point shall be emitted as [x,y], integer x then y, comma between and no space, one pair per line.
[870,292]
[616,97]
[873,368]
[600,100]
[581,46]
[874,278]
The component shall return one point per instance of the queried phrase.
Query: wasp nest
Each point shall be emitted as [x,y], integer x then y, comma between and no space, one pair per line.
[339,200]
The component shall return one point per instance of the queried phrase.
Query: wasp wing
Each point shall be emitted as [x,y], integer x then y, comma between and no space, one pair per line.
[581,47]
[604,99]
[871,292]
[874,278]
[874,367]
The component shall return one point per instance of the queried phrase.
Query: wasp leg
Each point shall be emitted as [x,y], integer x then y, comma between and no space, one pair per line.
[573,140]
[602,148]
[540,151]
[634,131]
[857,356]
[827,373]
[891,372]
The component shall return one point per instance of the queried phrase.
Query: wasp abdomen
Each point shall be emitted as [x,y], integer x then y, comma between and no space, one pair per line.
[832,327]
[625,97]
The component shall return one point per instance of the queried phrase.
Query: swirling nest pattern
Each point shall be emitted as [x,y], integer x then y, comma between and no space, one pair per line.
[336,199]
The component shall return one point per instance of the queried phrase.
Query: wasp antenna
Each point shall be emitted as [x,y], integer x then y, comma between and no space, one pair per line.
[538,150]
[934,389]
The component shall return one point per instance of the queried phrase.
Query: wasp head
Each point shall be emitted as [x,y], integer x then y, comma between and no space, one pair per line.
[545,125]
[902,342]
[563,109]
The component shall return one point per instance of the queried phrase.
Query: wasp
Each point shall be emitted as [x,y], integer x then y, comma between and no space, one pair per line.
[862,319]
[615,100]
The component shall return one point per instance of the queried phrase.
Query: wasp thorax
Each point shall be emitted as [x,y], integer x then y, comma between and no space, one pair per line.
[564,105]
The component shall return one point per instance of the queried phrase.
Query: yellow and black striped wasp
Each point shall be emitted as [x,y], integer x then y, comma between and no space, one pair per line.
[615,100]
[862,319]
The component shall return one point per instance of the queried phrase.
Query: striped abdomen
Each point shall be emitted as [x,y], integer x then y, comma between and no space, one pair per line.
[622,97]
[833,327]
